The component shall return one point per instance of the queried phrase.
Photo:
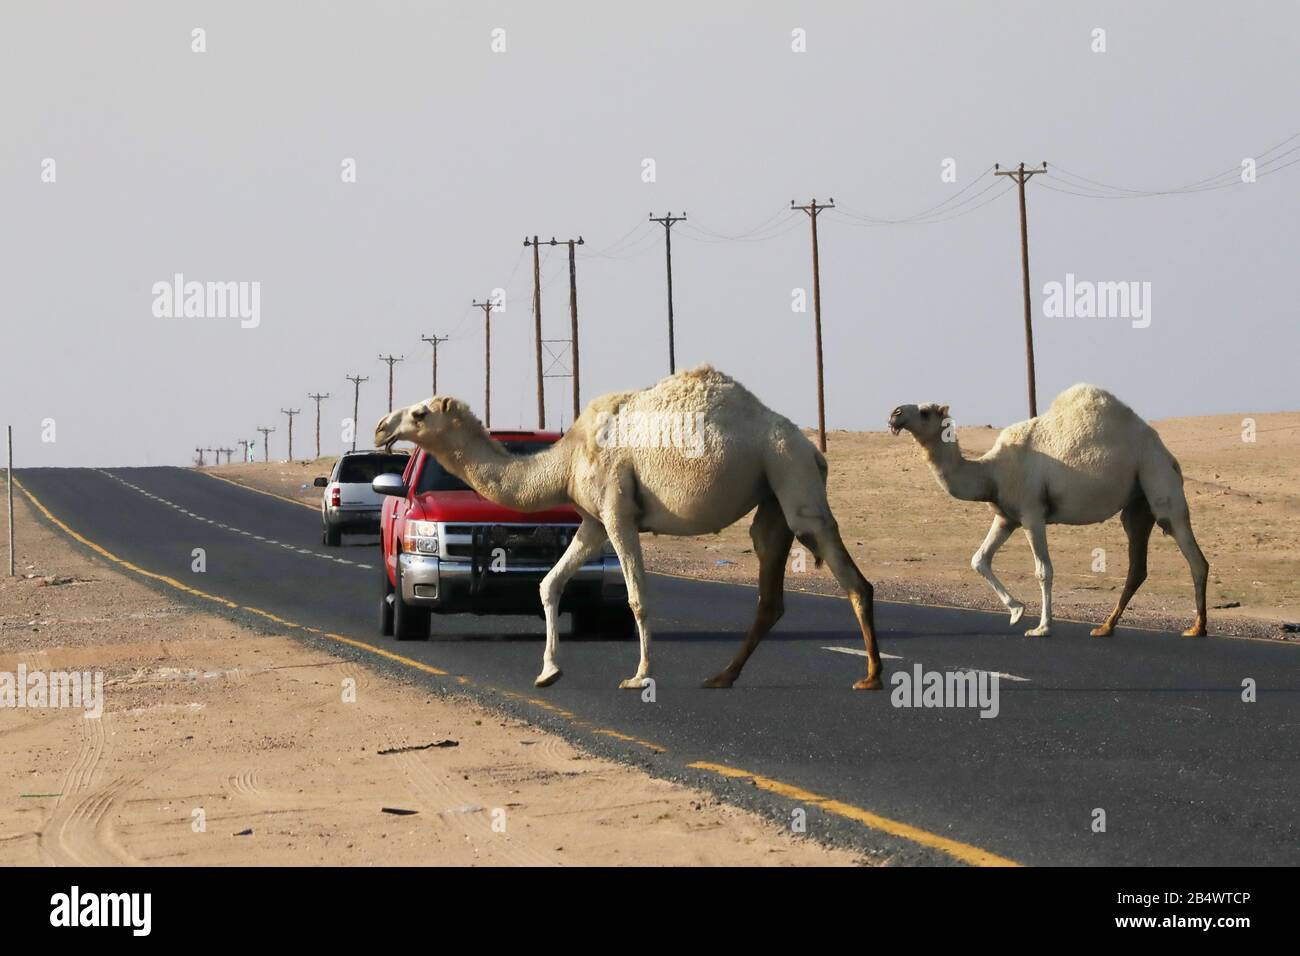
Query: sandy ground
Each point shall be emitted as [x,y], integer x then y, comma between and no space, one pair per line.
[222,745]
[915,542]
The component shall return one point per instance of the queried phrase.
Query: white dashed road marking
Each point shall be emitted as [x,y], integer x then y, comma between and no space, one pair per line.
[861,652]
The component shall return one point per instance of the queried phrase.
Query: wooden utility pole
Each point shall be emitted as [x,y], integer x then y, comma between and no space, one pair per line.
[318,398]
[537,328]
[1022,176]
[391,360]
[291,412]
[487,308]
[667,222]
[9,492]
[813,209]
[228,451]
[200,454]
[434,340]
[356,381]
[266,447]
[573,322]
[244,442]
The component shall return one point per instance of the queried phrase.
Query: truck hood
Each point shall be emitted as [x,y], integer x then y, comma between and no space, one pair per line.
[469,507]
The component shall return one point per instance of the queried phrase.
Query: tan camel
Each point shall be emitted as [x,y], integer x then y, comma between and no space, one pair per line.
[688,456]
[1087,458]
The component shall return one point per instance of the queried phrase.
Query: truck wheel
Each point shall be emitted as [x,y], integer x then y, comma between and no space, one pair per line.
[333,536]
[386,602]
[614,621]
[409,623]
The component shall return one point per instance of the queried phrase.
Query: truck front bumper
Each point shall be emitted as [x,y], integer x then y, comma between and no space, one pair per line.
[450,586]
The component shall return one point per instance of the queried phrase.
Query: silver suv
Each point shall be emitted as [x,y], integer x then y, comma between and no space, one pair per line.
[349,505]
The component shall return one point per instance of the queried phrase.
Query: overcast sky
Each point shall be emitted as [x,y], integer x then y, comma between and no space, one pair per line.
[227,166]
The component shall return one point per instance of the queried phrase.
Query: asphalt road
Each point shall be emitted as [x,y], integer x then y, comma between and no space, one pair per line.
[1148,727]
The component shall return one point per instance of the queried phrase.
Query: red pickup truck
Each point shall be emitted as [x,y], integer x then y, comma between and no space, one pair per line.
[447,550]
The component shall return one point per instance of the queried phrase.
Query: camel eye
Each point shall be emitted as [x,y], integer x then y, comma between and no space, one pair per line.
[419,413]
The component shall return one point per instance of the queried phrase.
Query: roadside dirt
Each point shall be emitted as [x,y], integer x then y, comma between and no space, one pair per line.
[222,745]
[915,542]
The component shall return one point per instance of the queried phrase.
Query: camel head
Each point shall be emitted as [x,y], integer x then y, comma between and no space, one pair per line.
[428,424]
[925,422]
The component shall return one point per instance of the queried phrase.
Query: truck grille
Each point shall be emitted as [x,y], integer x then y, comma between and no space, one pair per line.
[524,545]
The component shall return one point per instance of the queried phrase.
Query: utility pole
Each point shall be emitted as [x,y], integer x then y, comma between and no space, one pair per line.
[667,222]
[1021,176]
[573,320]
[200,453]
[391,360]
[487,358]
[317,398]
[291,412]
[356,381]
[537,328]
[812,209]
[9,492]
[434,340]
[266,448]
[228,451]
[244,442]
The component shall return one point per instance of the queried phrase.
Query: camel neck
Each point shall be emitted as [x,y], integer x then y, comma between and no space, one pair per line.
[521,482]
[961,477]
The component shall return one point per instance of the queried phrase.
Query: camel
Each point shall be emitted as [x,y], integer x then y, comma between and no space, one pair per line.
[688,456]
[1087,458]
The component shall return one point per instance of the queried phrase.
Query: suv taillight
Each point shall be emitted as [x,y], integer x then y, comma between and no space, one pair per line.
[336,497]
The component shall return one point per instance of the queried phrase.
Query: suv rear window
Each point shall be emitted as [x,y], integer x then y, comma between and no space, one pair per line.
[363,469]
[434,477]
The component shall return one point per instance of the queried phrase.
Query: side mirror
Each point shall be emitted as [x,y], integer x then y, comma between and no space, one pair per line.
[321,482]
[389,485]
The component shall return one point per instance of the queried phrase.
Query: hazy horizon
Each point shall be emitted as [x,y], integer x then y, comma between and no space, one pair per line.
[226,166]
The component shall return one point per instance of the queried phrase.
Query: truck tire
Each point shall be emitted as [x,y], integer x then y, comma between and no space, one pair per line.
[333,536]
[410,623]
[386,602]
[612,621]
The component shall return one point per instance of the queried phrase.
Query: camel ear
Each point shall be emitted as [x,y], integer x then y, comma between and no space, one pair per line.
[442,404]
[943,411]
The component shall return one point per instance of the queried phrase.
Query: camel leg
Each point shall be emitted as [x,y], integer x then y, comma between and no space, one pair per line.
[626,539]
[1138,522]
[772,538]
[586,542]
[982,561]
[1036,532]
[1182,531]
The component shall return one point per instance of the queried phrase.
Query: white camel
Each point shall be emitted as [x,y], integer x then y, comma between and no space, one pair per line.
[688,456]
[1087,458]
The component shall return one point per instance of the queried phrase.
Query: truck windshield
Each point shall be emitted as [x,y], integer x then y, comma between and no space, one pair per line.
[433,477]
[363,469]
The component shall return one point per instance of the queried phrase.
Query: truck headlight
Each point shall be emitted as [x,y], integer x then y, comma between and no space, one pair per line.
[420,537]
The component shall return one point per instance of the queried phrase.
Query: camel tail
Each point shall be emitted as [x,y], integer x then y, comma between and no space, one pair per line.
[806,540]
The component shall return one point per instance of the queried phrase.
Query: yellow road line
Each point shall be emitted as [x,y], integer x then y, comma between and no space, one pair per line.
[961,851]
[269,494]
[964,852]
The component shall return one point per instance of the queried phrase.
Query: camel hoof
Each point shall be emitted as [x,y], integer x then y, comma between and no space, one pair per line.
[1017,611]
[1196,630]
[869,683]
[1102,631]
[719,681]
[632,683]
[548,677]
[1043,630]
